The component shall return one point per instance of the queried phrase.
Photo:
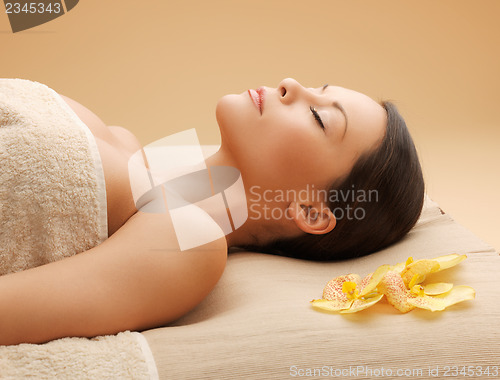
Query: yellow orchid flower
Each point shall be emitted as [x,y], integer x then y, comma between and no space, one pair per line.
[404,289]
[349,294]
[402,284]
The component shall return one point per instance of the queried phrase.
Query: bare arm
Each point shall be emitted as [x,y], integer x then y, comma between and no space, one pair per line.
[136,279]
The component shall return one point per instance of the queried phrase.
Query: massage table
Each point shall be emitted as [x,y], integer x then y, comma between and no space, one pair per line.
[258,323]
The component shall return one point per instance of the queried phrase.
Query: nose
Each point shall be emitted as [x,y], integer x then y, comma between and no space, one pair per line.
[289,89]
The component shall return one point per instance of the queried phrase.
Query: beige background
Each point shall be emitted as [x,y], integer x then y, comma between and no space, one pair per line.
[156,67]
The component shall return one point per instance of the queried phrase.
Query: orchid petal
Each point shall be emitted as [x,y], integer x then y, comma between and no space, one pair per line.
[374,279]
[395,290]
[437,288]
[399,267]
[449,261]
[361,304]
[335,305]
[437,303]
[420,268]
[333,290]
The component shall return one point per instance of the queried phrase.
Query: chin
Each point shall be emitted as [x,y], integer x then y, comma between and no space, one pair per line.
[232,109]
[235,114]
[223,107]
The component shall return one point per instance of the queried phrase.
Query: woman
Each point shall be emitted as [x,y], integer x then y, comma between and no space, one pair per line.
[290,144]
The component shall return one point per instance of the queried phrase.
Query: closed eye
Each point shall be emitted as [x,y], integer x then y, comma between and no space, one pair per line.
[316,116]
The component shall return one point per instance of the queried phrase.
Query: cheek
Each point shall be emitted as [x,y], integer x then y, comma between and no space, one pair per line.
[282,150]
[295,152]
[296,137]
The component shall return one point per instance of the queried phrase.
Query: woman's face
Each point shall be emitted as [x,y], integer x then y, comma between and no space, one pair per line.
[277,140]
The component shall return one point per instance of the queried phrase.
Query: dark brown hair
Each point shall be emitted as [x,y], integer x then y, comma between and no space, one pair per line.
[393,171]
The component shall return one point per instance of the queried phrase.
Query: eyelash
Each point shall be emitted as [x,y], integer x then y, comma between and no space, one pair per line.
[316,116]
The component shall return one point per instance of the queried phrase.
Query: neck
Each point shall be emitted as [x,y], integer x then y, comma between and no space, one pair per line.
[245,233]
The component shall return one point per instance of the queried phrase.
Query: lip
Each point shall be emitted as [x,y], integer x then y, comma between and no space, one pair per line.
[257,97]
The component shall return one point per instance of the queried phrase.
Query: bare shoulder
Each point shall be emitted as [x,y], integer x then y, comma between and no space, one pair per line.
[126,138]
[137,279]
[111,134]
[89,118]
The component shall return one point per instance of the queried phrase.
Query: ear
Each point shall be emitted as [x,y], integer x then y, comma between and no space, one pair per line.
[312,219]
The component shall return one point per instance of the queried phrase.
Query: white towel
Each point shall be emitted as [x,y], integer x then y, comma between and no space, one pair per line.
[53,205]
[52,189]
[123,356]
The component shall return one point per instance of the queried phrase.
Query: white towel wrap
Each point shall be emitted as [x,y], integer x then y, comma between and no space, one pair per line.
[52,189]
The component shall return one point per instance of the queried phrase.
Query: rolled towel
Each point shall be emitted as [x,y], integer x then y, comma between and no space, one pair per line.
[52,189]
[126,355]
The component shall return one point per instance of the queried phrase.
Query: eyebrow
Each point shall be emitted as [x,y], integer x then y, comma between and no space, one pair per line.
[341,109]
